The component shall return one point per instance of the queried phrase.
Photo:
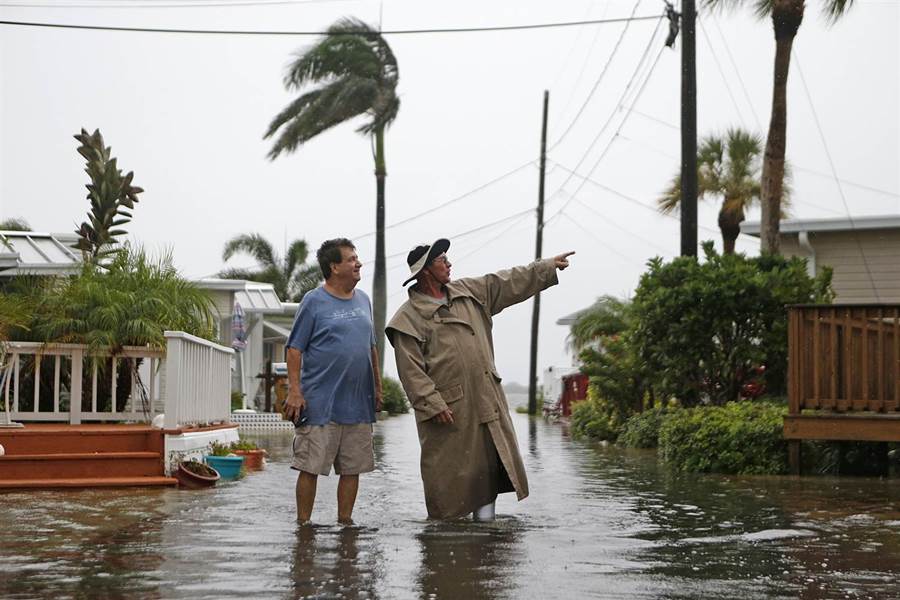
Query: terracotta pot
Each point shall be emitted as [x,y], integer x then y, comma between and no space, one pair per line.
[194,475]
[254,460]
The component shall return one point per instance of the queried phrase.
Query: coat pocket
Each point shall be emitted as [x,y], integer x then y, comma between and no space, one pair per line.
[451,393]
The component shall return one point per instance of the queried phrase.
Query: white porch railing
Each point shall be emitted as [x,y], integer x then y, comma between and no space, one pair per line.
[190,382]
[198,381]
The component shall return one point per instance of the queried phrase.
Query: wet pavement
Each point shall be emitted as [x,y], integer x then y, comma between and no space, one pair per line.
[601,522]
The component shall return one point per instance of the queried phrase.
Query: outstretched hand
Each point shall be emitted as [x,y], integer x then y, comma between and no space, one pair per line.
[562,260]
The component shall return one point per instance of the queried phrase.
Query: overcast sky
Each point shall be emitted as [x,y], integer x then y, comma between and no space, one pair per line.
[186,113]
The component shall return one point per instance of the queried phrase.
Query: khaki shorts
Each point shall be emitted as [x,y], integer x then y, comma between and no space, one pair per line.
[347,447]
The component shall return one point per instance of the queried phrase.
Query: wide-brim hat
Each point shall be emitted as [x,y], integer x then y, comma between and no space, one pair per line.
[423,254]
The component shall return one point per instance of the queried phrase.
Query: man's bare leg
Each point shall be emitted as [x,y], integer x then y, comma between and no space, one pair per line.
[306,495]
[346,497]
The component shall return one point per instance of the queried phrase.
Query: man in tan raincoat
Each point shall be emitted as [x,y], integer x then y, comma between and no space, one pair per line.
[445,358]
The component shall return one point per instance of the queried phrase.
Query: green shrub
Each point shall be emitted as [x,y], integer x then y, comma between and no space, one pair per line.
[642,429]
[219,449]
[394,399]
[739,437]
[701,329]
[595,418]
[244,444]
[237,400]
[130,301]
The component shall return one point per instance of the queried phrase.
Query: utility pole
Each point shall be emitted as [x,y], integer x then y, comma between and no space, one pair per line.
[538,248]
[688,128]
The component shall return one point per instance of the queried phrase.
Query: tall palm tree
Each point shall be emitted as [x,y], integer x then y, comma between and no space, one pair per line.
[290,275]
[786,15]
[727,167]
[353,72]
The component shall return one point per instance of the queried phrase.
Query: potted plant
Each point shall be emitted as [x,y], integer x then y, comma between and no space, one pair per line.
[254,456]
[223,460]
[193,475]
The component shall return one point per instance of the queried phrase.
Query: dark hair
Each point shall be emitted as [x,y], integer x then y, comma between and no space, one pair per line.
[330,253]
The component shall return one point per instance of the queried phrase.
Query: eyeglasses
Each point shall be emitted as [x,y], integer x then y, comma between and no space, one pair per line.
[441,259]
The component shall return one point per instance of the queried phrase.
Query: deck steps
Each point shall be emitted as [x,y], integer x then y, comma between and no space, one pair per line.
[48,456]
[88,482]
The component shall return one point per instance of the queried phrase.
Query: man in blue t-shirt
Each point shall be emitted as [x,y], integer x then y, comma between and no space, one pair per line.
[334,382]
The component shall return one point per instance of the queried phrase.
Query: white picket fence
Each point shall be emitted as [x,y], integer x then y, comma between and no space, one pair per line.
[190,382]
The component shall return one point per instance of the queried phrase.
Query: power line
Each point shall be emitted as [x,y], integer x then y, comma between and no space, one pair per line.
[619,227]
[812,109]
[637,202]
[584,63]
[451,201]
[601,242]
[737,72]
[387,32]
[603,71]
[615,135]
[612,114]
[213,4]
[712,51]
[793,166]
[468,232]
[847,182]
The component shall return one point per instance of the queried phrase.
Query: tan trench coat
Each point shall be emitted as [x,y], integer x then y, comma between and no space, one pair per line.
[445,358]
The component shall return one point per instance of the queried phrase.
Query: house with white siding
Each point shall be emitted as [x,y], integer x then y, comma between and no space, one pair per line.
[264,339]
[864,253]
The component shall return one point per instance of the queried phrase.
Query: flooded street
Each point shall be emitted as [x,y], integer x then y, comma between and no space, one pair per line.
[600,522]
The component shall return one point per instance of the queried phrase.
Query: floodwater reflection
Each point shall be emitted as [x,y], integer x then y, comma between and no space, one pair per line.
[328,563]
[469,560]
[601,522]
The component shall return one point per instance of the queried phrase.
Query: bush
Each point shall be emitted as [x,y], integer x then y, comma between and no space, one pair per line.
[701,330]
[237,400]
[130,301]
[244,444]
[596,418]
[394,399]
[642,429]
[739,437]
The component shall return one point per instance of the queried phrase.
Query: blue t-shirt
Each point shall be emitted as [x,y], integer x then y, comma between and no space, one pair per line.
[336,338]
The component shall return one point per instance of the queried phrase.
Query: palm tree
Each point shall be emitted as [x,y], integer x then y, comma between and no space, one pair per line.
[786,17]
[607,317]
[727,167]
[356,74]
[291,276]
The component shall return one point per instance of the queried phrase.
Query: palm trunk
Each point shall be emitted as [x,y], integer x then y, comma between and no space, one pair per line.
[786,18]
[379,285]
[730,226]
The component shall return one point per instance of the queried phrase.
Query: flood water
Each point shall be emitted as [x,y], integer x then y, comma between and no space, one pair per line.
[601,522]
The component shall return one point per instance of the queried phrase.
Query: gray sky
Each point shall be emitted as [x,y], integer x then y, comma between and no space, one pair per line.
[186,113]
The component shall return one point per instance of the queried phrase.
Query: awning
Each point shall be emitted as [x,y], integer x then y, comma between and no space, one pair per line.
[38,253]
[272,331]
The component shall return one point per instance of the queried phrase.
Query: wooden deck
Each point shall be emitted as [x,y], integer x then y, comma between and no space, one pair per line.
[90,455]
[844,374]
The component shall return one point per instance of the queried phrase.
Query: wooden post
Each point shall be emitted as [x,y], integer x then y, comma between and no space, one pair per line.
[268,386]
[538,249]
[794,456]
[688,128]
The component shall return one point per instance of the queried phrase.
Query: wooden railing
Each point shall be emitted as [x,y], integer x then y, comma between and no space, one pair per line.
[844,358]
[190,382]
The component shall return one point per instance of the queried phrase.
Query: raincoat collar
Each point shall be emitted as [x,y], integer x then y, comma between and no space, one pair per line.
[427,308]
